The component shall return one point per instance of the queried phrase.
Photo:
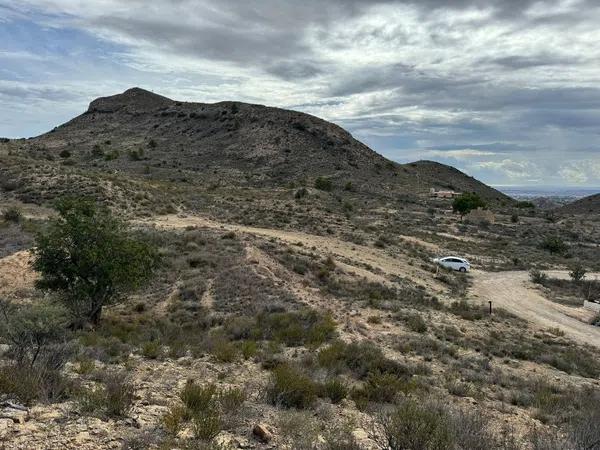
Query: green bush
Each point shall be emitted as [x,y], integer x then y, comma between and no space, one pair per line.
[415,322]
[12,214]
[291,388]
[114,398]
[198,399]
[36,333]
[307,327]
[65,154]
[39,346]
[360,358]
[28,385]
[97,151]
[151,349]
[382,388]
[119,394]
[173,419]
[412,426]
[335,389]
[90,258]
[537,276]
[469,311]
[554,244]
[110,156]
[324,184]
[467,202]
[524,204]
[249,349]
[301,193]
[224,350]
[231,399]
[208,425]
[136,155]
[577,272]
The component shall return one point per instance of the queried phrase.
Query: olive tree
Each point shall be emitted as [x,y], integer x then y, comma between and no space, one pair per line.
[467,202]
[90,258]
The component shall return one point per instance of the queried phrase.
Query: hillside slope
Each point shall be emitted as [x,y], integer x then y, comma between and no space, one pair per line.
[232,143]
[585,205]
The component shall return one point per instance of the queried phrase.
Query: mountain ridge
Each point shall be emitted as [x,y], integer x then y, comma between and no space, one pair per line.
[585,205]
[237,143]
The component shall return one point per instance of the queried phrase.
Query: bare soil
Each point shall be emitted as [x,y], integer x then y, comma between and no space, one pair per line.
[514,292]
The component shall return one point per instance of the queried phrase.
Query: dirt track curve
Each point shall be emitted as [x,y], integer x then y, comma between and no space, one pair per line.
[514,292]
[510,290]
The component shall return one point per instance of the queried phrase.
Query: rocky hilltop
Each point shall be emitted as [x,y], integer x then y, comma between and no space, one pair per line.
[234,143]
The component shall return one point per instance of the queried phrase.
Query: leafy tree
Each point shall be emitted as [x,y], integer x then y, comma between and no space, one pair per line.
[577,272]
[537,276]
[90,258]
[467,202]
[554,244]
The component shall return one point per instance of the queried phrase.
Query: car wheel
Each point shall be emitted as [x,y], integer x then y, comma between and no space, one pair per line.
[462,269]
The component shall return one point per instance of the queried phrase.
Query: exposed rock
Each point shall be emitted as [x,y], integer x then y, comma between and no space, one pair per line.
[5,426]
[262,433]
[14,412]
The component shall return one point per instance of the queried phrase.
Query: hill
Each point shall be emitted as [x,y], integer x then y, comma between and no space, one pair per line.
[232,143]
[585,205]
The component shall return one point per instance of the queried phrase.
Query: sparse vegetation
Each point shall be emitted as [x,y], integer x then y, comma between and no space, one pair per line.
[113,397]
[39,348]
[537,276]
[254,268]
[12,214]
[577,272]
[290,388]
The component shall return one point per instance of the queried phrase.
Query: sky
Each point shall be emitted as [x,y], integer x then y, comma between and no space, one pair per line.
[507,91]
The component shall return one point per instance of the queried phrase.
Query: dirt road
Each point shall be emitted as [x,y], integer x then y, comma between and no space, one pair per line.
[510,290]
[514,292]
[371,263]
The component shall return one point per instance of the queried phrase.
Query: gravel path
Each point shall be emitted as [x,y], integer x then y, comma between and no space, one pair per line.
[514,292]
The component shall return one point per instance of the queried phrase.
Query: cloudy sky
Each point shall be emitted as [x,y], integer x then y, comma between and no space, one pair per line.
[508,91]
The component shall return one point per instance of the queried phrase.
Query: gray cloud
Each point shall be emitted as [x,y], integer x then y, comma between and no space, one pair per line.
[509,79]
[517,62]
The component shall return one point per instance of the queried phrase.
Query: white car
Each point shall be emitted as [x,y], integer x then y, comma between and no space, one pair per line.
[454,263]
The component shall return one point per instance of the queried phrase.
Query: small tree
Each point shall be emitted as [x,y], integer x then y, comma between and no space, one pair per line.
[90,258]
[554,244]
[577,272]
[39,347]
[467,202]
[324,184]
[35,333]
[537,276]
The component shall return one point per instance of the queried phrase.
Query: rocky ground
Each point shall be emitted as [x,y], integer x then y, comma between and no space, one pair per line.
[521,375]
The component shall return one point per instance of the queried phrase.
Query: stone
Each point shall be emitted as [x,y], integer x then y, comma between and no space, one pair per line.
[82,437]
[262,433]
[5,426]
[16,415]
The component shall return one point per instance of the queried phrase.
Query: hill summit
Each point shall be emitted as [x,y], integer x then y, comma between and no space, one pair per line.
[133,98]
[237,144]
